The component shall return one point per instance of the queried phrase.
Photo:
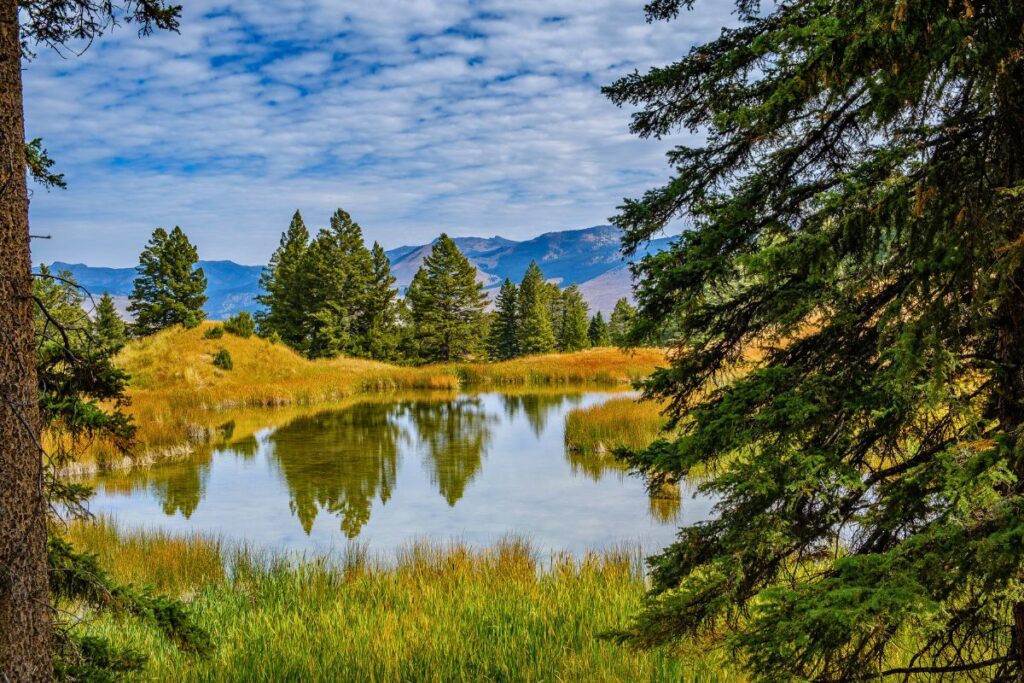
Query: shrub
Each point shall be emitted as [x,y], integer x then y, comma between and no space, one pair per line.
[223,360]
[241,325]
[215,332]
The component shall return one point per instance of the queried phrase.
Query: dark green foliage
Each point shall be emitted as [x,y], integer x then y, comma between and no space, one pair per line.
[598,332]
[222,359]
[446,305]
[76,373]
[81,395]
[169,290]
[284,283]
[535,332]
[857,213]
[110,331]
[620,323]
[503,341]
[332,296]
[39,164]
[215,332]
[56,23]
[573,330]
[379,336]
[340,270]
[241,325]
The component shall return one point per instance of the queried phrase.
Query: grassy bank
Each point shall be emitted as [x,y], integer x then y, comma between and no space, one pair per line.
[178,395]
[619,422]
[432,614]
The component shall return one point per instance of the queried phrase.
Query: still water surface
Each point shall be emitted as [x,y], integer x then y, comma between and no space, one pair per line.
[383,473]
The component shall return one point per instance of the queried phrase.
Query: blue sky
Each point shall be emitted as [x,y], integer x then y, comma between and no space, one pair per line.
[474,117]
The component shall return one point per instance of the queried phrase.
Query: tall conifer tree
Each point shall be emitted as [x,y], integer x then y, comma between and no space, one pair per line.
[110,330]
[858,220]
[621,322]
[535,332]
[340,270]
[597,332]
[170,289]
[447,304]
[284,283]
[503,342]
[573,330]
[380,339]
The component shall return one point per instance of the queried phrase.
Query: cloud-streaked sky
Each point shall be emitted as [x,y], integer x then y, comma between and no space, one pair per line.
[475,117]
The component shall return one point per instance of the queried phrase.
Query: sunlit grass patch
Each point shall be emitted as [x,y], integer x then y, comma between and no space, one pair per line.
[431,613]
[623,422]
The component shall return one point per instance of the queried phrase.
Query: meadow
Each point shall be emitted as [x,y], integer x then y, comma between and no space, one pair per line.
[432,613]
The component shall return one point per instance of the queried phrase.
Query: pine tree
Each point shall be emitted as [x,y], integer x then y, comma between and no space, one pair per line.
[620,324]
[858,220]
[535,332]
[556,311]
[340,270]
[110,330]
[169,290]
[447,304]
[380,340]
[598,332]
[503,342]
[573,330]
[284,282]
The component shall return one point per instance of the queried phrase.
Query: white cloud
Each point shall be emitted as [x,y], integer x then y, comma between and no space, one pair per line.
[471,117]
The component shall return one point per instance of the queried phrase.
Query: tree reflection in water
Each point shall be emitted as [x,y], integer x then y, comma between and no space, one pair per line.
[453,437]
[537,407]
[339,461]
[180,488]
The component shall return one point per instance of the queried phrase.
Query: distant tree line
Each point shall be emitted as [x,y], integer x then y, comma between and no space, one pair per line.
[331,294]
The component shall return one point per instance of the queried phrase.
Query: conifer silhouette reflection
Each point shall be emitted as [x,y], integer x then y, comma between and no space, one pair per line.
[244,448]
[537,407]
[180,488]
[453,437]
[339,461]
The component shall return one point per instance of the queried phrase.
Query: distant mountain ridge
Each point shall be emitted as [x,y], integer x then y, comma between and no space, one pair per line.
[589,257]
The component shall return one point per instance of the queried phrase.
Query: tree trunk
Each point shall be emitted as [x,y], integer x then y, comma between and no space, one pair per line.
[25,629]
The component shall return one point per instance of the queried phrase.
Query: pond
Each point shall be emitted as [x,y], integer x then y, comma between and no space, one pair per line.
[382,473]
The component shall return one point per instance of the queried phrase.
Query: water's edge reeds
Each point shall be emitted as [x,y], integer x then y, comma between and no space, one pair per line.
[433,613]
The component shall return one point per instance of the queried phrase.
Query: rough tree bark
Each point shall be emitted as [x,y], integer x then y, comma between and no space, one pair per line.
[25,628]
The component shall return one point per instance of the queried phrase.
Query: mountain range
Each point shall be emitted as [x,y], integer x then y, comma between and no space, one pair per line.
[589,258]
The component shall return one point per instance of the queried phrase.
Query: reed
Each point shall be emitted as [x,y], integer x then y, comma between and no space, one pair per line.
[433,613]
[617,423]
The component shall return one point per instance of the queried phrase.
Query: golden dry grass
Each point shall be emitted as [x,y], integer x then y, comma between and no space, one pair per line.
[618,423]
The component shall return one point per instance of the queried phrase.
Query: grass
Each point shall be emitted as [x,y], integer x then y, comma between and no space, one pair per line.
[179,396]
[619,422]
[432,613]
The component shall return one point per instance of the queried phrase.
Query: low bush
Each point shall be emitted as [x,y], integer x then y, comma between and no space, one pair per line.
[223,360]
[241,325]
[215,332]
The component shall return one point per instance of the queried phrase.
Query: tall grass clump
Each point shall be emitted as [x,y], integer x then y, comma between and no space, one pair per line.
[617,423]
[432,613]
